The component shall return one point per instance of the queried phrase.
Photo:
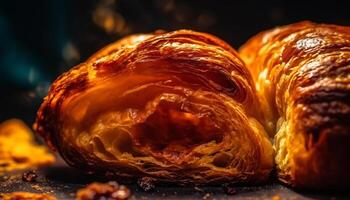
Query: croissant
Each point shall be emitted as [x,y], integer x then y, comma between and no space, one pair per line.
[302,72]
[178,107]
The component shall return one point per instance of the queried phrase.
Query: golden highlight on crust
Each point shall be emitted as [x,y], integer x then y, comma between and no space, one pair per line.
[179,107]
[302,74]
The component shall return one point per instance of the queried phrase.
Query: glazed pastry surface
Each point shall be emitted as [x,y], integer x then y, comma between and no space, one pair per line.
[178,107]
[302,75]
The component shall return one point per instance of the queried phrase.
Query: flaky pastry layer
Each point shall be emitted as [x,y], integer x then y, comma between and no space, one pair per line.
[178,107]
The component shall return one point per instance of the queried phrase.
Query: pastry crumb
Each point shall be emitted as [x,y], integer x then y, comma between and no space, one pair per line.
[29,176]
[104,191]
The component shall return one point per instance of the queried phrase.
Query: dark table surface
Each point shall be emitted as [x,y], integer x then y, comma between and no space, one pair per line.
[63,182]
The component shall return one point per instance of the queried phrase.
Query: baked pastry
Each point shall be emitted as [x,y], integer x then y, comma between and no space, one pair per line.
[18,149]
[177,107]
[26,196]
[302,71]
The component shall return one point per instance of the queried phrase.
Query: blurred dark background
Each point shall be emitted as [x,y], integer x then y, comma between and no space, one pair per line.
[40,39]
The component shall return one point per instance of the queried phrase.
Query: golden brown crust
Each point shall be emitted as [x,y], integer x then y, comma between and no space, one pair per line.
[115,46]
[179,107]
[302,71]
